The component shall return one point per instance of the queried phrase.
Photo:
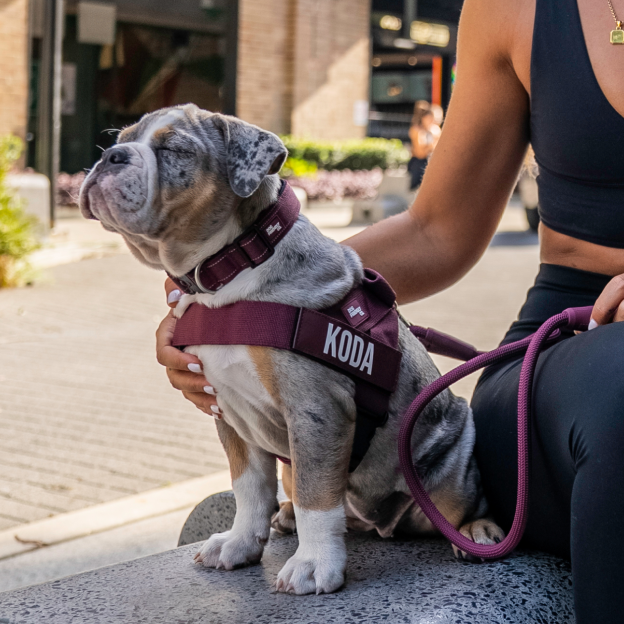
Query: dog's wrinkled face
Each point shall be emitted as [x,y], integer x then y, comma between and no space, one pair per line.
[175,180]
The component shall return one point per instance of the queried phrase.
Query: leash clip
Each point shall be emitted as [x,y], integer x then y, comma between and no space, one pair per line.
[578,318]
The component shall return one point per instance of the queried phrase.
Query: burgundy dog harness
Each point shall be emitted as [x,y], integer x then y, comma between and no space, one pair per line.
[358,336]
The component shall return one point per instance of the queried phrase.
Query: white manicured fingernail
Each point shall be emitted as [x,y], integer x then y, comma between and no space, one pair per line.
[174,296]
[195,368]
[216,409]
[592,324]
[210,390]
[205,411]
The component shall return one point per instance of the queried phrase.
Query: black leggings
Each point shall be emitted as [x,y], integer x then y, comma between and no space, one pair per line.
[577,474]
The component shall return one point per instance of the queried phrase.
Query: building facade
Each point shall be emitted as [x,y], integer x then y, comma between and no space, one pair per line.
[304,67]
[13,66]
[290,66]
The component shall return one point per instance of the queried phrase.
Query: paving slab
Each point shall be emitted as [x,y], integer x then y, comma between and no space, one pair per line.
[86,413]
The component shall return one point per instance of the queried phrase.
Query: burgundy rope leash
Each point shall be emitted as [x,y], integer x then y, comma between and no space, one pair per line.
[573,318]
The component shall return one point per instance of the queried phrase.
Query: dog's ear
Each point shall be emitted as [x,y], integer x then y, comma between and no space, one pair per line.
[251,153]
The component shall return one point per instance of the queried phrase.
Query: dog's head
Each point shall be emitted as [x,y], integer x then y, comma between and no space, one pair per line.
[174,184]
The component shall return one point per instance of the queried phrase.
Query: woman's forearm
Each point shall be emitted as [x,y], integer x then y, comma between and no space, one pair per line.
[417,259]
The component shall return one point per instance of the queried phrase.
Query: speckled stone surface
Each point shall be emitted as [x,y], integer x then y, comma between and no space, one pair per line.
[416,582]
[214,514]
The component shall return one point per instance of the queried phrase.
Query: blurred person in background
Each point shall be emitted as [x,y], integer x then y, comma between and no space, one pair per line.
[424,134]
[438,114]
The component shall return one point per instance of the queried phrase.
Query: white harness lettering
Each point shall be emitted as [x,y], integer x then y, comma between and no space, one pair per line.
[349,349]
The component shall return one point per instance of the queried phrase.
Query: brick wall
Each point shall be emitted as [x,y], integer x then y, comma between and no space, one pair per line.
[13,66]
[302,65]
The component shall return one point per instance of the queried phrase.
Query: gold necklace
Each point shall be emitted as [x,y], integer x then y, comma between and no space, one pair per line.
[617,35]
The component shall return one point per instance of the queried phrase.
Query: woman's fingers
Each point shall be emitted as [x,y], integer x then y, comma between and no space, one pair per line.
[619,314]
[189,382]
[173,293]
[183,369]
[608,302]
[204,402]
[168,355]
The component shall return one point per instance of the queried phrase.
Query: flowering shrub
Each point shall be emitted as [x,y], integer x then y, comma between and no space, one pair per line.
[68,188]
[338,185]
[354,154]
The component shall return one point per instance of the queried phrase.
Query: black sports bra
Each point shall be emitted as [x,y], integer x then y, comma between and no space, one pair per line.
[577,135]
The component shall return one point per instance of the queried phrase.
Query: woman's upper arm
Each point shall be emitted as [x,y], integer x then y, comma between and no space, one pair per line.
[476,162]
[472,170]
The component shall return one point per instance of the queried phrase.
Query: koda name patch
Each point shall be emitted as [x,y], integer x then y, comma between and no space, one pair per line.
[342,346]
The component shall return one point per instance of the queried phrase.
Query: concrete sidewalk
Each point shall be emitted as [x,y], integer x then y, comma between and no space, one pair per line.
[86,413]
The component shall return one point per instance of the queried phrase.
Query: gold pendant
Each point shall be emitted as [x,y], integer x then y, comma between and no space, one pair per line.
[617,35]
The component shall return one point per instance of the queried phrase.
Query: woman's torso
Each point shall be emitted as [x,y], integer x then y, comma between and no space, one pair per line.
[604,98]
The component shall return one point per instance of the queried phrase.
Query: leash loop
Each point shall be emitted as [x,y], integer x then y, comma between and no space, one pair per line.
[574,318]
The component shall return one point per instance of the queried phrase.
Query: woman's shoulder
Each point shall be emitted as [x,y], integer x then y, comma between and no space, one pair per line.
[501,30]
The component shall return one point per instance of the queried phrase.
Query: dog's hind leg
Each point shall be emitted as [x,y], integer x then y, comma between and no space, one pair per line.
[283,520]
[254,481]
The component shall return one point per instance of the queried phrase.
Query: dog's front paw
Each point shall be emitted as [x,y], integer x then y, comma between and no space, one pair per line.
[283,521]
[482,531]
[229,550]
[322,572]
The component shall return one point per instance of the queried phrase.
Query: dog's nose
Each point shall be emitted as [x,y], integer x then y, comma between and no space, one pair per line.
[116,156]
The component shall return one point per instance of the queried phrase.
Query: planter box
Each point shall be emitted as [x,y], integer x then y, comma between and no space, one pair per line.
[34,189]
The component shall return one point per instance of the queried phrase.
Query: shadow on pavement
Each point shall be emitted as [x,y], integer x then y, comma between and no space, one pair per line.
[515,239]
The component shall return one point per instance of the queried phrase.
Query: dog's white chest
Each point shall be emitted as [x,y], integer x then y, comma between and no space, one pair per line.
[246,404]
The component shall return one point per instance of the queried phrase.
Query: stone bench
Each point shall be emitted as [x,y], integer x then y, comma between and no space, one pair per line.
[416,581]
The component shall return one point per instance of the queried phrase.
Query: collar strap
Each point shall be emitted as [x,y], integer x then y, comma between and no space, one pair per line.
[253,247]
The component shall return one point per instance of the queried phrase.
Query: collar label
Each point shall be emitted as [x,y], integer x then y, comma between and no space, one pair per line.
[355,311]
[275,227]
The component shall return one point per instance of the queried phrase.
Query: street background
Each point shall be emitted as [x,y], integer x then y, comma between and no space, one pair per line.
[87,414]
[100,459]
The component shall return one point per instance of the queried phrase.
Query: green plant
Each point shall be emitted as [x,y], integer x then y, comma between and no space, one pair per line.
[17,238]
[354,154]
[298,168]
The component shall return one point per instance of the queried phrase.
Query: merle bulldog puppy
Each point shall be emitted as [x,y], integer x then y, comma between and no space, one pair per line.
[180,185]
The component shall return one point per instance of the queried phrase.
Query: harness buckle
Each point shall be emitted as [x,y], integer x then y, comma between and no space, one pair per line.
[198,281]
[189,286]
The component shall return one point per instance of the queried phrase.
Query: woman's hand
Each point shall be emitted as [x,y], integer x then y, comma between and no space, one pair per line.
[183,369]
[609,307]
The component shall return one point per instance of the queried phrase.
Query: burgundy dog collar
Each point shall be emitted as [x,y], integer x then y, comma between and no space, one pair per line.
[253,247]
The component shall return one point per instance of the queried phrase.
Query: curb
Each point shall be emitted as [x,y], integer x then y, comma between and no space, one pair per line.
[105,516]
[49,257]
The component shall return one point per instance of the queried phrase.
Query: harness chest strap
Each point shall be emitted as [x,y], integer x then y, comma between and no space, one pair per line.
[363,352]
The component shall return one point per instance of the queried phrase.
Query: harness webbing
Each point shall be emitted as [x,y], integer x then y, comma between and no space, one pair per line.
[357,336]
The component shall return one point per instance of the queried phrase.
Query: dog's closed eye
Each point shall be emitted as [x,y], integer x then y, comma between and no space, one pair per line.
[174,151]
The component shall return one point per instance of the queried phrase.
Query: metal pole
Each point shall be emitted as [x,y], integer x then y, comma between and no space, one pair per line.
[231,57]
[410,12]
[49,126]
